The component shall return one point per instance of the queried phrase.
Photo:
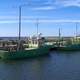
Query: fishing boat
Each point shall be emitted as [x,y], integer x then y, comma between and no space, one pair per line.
[33,50]
[36,47]
[67,47]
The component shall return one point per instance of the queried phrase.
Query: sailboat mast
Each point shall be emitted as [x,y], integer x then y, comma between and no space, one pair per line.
[37,24]
[19,23]
[59,36]
[76,31]
[37,27]
[19,38]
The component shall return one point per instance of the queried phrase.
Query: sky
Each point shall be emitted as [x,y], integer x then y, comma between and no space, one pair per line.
[51,15]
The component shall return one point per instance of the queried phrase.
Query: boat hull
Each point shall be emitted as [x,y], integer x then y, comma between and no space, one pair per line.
[67,48]
[41,51]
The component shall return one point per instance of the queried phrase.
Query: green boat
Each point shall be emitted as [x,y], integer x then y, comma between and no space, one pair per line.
[67,48]
[28,53]
[36,47]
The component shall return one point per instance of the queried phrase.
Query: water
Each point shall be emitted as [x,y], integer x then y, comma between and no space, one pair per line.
[56,66]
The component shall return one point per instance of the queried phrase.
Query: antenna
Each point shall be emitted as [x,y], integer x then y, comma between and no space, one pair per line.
[76,30]
[37,24]
[59,35]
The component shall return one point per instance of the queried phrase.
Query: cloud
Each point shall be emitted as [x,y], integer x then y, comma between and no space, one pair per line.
[32,19]
[8,21]
[8,17]
[67,3]
[62,3]
[60,21]
[11,18]
[43,5]
[40,21]
[44,8]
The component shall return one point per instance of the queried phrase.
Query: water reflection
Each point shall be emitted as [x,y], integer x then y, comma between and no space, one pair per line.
[56,66]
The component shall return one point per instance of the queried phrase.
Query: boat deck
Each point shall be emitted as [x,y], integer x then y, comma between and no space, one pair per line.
[2,51]
[30,48]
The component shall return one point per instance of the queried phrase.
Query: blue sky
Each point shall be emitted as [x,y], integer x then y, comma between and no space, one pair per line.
[52,15]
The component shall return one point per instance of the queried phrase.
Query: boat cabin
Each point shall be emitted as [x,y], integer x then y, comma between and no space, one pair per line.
[35,42]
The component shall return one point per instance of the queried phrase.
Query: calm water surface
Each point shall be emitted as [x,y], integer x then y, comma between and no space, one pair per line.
[56,66]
